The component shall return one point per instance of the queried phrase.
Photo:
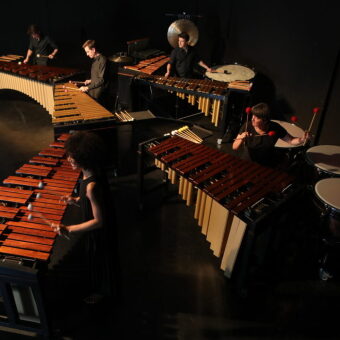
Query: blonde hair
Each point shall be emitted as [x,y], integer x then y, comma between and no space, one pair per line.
[90,44]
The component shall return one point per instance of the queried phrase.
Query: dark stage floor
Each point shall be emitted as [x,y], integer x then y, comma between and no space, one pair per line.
[171,284]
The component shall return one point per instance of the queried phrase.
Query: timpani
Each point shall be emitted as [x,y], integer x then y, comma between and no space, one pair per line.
[230,73]
[290,151]
[325,159]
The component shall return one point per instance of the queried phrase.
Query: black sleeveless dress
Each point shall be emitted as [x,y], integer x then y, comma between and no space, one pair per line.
[100,244]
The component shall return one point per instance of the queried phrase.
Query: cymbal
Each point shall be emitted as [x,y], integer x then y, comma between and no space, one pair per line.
[121,59]
[179,26]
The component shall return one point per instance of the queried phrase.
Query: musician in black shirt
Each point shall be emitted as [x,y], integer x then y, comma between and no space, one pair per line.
[86,152]
[184,58]
[41,47]
[261,135]
[98,84]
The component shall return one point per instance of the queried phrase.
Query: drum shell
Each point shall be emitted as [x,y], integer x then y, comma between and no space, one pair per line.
[322,162]
[330,215]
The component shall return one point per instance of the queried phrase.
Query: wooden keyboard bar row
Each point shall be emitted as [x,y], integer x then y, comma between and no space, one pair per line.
[223,188]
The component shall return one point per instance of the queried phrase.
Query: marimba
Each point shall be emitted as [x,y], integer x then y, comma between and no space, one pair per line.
[30,201]
[74,106]
[229,194]
[36,81]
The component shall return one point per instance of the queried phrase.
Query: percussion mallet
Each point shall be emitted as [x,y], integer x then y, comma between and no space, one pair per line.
[129,116]
[293,119]
[76,82]
[182,134]
[42,56]
[316,110]
[39,195]
[248,112]
[30,217]
[70,88]
[191,133]
[270,133]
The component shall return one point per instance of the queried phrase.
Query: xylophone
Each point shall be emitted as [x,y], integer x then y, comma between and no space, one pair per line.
[11,57]
[30,202]
[36,81]
[149,66]
[74,106]
[229,193]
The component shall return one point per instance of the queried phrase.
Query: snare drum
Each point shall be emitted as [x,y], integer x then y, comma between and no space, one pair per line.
[328,194]
[325,159]
[229,73]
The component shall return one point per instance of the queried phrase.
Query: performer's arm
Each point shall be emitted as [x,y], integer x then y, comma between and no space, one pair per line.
[28,55]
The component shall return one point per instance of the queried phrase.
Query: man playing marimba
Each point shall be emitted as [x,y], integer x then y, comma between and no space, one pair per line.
[98,83]
[261,135]
[41,46]
[184,58]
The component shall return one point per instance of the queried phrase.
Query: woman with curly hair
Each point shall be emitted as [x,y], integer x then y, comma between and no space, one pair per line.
[86,152]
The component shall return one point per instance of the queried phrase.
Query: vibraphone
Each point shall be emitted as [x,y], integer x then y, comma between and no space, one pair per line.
[74,106]
[211,96]
[35,81]
[230,195]
[30,201]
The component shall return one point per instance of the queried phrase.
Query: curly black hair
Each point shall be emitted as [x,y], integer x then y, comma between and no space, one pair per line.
[87,149]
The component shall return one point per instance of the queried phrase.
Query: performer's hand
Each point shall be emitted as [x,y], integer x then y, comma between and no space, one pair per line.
[87,82]
[25,61]
[166,75]
[307,136]
[59,228]
[51,56]
[84,88]
[209,69]
[68,199]
[244,135]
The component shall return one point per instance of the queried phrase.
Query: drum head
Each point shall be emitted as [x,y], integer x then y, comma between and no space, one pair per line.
[229,73]
[293,130]
[328,191]
[325,157]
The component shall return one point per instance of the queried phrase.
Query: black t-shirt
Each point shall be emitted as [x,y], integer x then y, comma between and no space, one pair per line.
[184,61]
[43,46]
[262,148]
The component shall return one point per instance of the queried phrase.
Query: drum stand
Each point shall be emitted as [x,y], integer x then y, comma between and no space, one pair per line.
[329,247]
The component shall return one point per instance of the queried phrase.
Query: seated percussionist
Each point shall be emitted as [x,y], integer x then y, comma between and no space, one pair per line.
[261,135]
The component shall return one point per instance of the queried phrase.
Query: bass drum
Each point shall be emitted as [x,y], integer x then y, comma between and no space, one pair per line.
[230,73]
